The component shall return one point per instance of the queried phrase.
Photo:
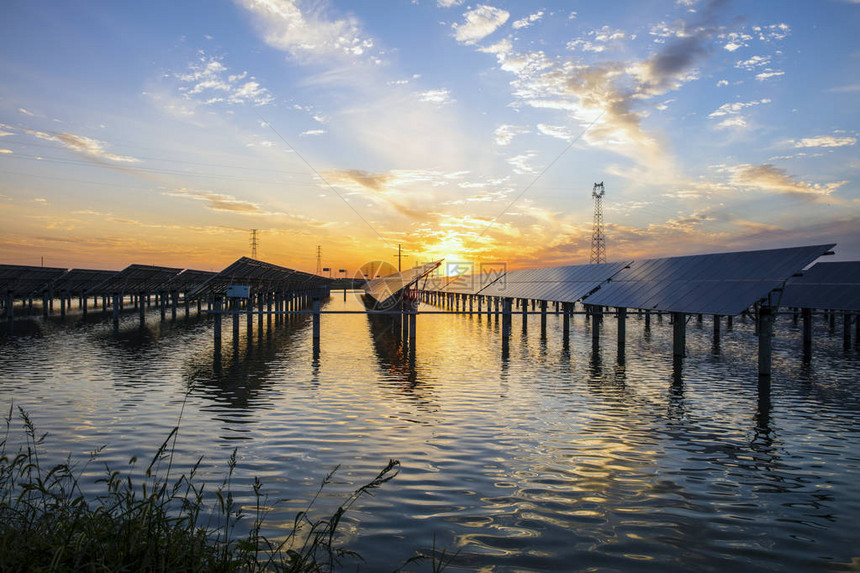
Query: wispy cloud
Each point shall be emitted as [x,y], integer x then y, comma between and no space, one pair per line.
[505,133]
[769,178]
[89,147]
[219,201]
[310,33]
[825,141]
[208,81]
[441,96]
[527,21]
[619,91]
[479,23]
[732,114]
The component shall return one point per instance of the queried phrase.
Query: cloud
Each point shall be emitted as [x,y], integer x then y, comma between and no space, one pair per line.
[448,3]
[441,96]
[825,141]
[767,177]
[219,201]
[752,63]
[207,81]
[308,132]
[86,146]
[479,23]
[527,21]
[505,133]
[2,150]
[307,34]
[732,113]
[557,131]
[620,93]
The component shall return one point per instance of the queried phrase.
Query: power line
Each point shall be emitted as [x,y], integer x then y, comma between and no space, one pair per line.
[539,175]
[323,179]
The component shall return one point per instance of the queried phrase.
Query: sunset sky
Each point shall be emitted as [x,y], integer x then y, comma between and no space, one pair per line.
[163,132]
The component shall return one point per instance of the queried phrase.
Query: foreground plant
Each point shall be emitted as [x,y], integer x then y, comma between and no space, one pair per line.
[47,523]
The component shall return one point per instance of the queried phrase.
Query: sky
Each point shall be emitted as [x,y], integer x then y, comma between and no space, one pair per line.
[164,132]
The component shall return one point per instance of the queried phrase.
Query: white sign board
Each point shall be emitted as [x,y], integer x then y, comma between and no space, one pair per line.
[238,291]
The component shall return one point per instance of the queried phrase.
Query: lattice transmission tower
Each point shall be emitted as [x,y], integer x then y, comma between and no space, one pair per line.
[319,261]
[598,239]
[254,243]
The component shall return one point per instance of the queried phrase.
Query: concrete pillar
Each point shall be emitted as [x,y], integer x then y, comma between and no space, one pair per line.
[622,332]
[647,320]
[162,305]
[846,330]
[765,342]
[174,303]
[141,309]
[595,324]
[806,315]
[63,306]
[413,320]
[679,334]
[729,320]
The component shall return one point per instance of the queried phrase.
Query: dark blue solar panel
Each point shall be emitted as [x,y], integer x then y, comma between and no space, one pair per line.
[721,283]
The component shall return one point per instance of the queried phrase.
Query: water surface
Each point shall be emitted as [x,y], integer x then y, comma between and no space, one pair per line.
[554,458]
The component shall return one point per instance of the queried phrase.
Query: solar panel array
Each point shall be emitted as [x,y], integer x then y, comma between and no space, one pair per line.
[831,286]
[137,279]
[721,283]
[472,284]
[557,284]
[21,281]
[260,276]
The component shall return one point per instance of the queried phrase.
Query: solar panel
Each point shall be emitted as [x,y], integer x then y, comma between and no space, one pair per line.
[136,279]
[80,281]
[19,280]
[472,284]
[260,276]
[387,287]
[720,283]
[832,286]
[557,284]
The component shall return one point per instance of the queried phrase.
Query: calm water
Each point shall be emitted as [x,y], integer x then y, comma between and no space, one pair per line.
[549,460]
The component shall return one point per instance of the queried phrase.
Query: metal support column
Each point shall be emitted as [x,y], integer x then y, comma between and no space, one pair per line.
[679,334]
[806,317]
[506,326]
[622,333]
[316,327]
[765,342]
[543,305]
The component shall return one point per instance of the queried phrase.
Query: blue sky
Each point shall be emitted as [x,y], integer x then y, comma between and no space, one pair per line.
[163,132]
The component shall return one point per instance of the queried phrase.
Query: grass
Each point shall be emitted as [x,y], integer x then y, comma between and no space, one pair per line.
[154,522]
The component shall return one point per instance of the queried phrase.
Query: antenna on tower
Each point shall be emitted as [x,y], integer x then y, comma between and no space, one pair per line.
[319,260]
[598,239]
[254,243]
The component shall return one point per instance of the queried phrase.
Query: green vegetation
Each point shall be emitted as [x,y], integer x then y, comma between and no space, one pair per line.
[48,524]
